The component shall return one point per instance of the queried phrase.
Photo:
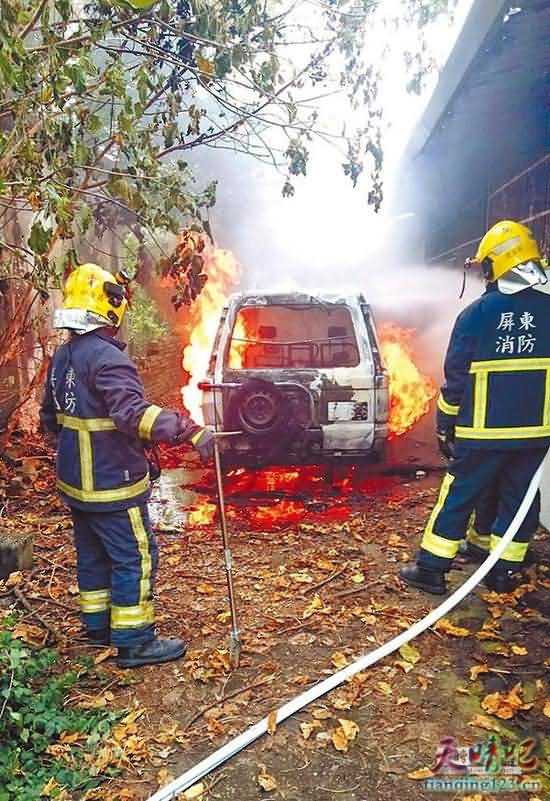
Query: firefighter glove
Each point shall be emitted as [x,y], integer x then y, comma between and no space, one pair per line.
[446,441]
[203,441]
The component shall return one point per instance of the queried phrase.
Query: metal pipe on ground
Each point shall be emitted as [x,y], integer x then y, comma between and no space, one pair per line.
[226,752]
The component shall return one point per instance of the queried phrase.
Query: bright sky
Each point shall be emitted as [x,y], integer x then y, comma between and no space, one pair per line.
[326,231]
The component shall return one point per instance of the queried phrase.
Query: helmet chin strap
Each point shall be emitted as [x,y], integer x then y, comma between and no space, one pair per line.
[522,277]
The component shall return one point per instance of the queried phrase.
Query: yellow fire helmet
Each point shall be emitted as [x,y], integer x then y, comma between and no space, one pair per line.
[92,298]
[509,254]
[141,5]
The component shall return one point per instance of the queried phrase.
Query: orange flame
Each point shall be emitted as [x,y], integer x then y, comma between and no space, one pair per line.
[272,517]
[224,273]
[238,348]
[203,515]
[410,391]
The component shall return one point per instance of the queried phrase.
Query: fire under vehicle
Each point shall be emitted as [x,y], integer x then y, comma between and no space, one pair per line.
[300,376]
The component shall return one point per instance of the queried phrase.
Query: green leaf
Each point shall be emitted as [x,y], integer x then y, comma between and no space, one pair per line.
[39,238]
[78,77]
[94,124]
[119,187]
[84,218]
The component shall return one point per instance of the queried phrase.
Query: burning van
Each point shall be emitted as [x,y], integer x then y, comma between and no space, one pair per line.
[300,377]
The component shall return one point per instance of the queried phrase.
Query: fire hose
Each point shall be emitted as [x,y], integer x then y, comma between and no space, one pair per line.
[226,752]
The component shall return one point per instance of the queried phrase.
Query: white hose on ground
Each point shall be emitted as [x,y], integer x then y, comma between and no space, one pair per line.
[206,766]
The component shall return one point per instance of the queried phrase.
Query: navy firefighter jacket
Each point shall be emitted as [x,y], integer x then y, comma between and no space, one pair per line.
[94,402]
[497,372]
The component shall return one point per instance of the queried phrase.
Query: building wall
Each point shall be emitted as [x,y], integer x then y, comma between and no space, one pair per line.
[162,372]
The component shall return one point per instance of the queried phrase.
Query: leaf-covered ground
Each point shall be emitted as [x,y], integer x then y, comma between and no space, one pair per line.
[317,586]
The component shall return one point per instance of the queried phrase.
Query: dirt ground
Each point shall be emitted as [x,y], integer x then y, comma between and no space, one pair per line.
[316,579]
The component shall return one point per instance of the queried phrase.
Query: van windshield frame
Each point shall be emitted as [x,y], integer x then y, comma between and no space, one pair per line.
[337,348]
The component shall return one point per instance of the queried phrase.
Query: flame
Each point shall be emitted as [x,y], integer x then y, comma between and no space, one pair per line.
[203,515]
[223,272]
[410,391]
[238,349]
[287,480]
[271,517]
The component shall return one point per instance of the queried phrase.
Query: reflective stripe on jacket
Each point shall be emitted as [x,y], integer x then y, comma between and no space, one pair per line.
[94,401]
[497,372]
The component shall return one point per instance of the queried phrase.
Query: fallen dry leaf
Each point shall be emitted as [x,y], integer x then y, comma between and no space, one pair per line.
[350,728]
[70,737]
[489,631]
[266,782]
[340,701]
[54,790]
[58,750]
[315,604]
[33,635]
[196,791]
[385,688]
[519,650]
[302,577]
[164,777]
[505,705]
[205,589]
[308,728]
[221,658]
[101,657]
[97,701]
[324,564]
[272,722]
[444,625]
[483,722]
[410,653]
[321,714]
[406,667]
[344,734]
[339,739]
[13,580]
[546,709]
[339,660]
[475,670]
[402,700]
[358,578]
[421,773]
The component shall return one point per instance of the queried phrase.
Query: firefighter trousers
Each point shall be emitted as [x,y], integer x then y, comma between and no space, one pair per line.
[116,565]
[471,473]
[482,521]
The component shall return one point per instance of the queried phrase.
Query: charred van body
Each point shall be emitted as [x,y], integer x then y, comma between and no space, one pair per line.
[300,376]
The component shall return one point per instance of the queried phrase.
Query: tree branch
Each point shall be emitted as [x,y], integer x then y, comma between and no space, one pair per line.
[34,19]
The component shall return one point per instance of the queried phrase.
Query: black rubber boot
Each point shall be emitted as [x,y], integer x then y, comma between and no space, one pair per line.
[153,652]
[428,580]
[501,579]
[99,637]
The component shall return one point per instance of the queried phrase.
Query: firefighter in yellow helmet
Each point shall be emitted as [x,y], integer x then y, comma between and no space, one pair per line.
[94,404]
[493,416]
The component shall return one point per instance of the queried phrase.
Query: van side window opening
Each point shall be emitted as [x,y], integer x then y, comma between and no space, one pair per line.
[292,337]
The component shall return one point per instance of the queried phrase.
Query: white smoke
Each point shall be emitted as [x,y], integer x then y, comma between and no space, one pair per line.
[326,236]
